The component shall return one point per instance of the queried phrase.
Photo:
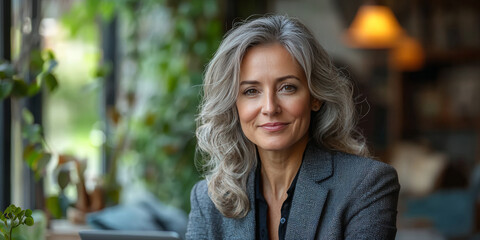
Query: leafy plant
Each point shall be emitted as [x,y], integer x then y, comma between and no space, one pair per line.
[14,86]
[26,135]
[13,217]
[166,44]
[170,58]
[35,153]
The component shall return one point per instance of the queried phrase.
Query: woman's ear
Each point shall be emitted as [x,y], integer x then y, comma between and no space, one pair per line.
[316,105]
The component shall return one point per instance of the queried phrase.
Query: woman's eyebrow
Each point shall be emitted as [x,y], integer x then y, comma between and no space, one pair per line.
[280,79]
[249,82]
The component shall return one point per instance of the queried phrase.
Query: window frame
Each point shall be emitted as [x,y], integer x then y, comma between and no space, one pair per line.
[5,108]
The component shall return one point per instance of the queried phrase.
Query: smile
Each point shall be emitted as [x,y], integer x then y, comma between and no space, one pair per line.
[273,127]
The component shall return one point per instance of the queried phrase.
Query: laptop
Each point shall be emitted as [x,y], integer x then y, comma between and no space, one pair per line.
[127,235]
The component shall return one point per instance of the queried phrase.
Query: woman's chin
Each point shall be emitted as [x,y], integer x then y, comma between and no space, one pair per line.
[273,146]
[282,144]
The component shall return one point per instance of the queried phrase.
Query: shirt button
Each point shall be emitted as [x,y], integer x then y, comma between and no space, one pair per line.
[282,220]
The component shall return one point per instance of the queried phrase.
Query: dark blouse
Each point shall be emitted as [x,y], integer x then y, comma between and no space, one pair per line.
[261,208]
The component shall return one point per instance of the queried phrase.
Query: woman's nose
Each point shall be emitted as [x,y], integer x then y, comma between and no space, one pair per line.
[270,105]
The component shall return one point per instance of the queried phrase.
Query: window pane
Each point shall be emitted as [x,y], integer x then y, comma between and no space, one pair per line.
[71,114]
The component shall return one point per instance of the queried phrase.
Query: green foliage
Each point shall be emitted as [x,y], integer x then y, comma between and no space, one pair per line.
[53,205]
[6,79]
[81,20]
[163,135]
[35,153]
[13,217]
[167,43]
[41,65]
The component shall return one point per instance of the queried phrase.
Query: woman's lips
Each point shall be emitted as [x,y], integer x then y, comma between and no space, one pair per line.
[274,126]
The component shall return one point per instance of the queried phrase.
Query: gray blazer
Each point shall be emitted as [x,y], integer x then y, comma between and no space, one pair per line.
[337,196]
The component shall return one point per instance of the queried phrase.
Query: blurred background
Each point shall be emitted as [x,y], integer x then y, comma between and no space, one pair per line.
[98,104]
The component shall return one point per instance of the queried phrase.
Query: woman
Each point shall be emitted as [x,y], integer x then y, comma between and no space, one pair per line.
[282,157]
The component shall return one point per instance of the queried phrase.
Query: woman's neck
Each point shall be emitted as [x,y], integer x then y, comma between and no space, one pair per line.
[280,167]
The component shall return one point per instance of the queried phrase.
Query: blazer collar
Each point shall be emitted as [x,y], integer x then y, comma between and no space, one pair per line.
[308,199]
[317,163]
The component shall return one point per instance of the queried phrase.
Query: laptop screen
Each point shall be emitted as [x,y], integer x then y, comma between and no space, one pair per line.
[127,235]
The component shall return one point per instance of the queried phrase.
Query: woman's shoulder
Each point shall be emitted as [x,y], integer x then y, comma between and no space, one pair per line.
[355,166]
[199,197]
[347,159]
[344,161]
[354,176]
[201,186]
[200,192]
[342,165]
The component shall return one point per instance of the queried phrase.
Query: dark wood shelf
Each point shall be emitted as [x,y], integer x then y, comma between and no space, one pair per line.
[427,106]
[455,56]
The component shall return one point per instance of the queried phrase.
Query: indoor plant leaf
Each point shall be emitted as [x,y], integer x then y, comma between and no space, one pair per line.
[42,164]
[27,116]
[34,87]
[36,62]
[6,70]
[32,156]
[20,87]
[6,86]
[51,82]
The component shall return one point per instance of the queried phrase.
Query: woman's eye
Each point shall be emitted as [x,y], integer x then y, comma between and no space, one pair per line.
[288,88]
[250,92]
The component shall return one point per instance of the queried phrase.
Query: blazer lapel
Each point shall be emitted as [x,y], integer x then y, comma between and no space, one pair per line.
[244,228]
[309,196]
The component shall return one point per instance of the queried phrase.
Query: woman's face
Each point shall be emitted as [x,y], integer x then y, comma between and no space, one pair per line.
[274,102]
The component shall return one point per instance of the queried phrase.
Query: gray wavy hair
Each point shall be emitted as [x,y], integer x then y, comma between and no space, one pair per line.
[228,156]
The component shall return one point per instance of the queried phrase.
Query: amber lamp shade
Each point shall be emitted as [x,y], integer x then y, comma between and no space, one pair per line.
[374,27]
[407,55]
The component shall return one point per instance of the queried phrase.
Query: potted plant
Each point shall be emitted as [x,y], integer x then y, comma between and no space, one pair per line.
[12,218]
